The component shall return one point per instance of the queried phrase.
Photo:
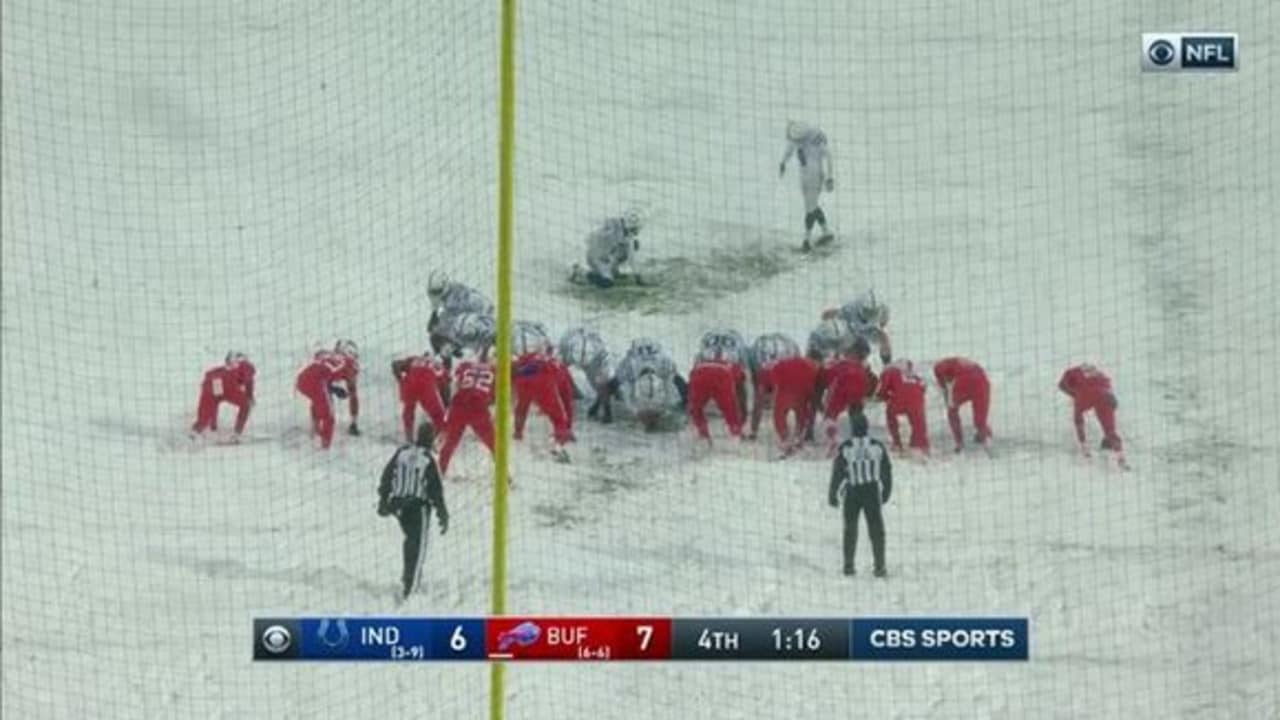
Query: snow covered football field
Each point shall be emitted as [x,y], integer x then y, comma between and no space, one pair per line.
[184,177]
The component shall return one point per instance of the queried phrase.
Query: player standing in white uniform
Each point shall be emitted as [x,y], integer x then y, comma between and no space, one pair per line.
[809,145]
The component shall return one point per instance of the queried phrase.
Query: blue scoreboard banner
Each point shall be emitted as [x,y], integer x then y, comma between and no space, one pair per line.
[544,638]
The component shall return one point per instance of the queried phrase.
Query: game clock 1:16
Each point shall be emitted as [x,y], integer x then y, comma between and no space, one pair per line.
[796,639]
[815,640]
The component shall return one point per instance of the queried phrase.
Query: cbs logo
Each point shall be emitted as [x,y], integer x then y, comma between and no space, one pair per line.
[275,639]
[1195,52]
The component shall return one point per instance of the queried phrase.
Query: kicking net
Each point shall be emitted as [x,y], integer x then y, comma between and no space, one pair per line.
[184,179]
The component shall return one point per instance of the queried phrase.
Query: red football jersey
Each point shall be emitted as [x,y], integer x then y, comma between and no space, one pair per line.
[722,368]
[473,382]
[316,376]
[1085,383]
[419,372]
[230,381]
[949,369]
[901,387]
[848,383]
[793,375]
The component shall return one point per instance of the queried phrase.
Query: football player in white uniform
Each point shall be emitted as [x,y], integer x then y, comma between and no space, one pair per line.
[649,384]
[809,146]
[584,349]
[608,248]
[867,317]
[449,301]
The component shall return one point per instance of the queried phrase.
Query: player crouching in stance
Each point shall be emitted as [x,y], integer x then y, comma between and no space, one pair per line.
[473,382]
[608,248]
[792,381]
[1090,390]
[717,376]
[585,349]
[458,313]
[862,476]
[541,381]
[903,393]
[231,382]
[330,372]
[848,383]
[650,387]
[424,382]
[410,488]
[867,318]
[964,381]
[766,349]
[809,146]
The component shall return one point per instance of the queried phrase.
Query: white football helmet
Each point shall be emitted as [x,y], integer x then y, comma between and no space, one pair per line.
[348,348]
[868,307]
[631,222]
[235,358]
[436,284]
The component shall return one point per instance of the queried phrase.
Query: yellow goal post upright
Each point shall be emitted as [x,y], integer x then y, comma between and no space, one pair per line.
[506,182]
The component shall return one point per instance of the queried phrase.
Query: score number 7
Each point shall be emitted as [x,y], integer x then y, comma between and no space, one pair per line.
[646,636]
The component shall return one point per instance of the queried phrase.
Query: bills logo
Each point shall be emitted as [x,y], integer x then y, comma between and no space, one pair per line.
[1197,52]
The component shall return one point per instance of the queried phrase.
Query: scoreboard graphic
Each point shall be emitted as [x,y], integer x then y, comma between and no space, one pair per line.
[597,639]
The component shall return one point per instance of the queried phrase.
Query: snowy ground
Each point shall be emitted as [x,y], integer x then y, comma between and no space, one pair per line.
[184,177]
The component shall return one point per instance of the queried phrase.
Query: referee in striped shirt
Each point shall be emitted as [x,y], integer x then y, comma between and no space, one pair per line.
[863,476]
[409,489]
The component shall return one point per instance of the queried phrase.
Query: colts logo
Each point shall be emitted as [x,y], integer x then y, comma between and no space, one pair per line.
[333,634]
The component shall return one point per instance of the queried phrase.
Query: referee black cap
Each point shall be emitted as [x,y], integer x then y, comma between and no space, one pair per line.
[858,424]
[426,435]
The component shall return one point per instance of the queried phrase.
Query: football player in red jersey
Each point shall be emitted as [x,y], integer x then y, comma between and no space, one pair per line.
[347,371]
[424,382]
[719,379]
[903,391]
[230,382]
[314,383]
[793,382]
[848,382]
[1090,390]
[473,383]
[964,381]
[538,380]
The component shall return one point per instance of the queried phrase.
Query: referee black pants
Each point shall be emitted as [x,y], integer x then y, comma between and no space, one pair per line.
[864,498]
[414,519]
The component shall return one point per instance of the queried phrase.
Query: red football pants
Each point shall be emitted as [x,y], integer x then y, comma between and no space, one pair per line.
[788,403]
[321,414]
[207,411]
[429,400]
[919,429]
[1106,418]
[704,388]
[549,402]
[459,419]
[974,389]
